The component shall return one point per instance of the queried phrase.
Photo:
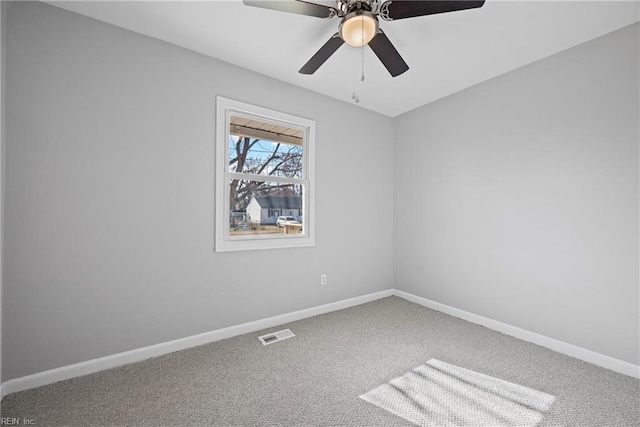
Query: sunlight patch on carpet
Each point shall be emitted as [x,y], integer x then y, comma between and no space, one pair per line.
[437,393]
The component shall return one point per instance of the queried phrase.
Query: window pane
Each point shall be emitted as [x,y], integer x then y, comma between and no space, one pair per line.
[263,208]
[261,157]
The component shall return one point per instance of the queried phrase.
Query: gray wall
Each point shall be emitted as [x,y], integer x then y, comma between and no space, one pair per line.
[2,137]
[110,196]
[525,206]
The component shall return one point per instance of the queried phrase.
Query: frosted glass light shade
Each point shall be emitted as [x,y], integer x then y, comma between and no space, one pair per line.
[358,29]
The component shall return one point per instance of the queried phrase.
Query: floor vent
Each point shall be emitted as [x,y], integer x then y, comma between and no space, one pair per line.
[276,336]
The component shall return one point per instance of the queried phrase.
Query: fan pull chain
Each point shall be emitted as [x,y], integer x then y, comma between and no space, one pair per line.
[355,96]
[362,48]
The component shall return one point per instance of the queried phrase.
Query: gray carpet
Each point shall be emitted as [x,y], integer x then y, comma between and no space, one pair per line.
[437,393]
[316,378]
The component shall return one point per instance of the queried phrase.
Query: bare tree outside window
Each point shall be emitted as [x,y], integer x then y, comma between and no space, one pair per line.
[266,158]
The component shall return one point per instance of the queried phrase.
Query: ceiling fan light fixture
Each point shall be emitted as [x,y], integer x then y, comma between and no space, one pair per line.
[358,28]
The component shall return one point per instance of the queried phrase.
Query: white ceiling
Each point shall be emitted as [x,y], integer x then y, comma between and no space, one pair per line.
[446,53]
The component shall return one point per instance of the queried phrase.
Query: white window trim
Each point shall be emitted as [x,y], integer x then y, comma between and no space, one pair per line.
[223,242]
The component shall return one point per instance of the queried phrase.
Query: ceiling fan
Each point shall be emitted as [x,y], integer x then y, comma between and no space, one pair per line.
[359,23]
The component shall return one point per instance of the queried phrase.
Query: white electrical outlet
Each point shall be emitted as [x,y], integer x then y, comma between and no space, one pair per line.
[323,279]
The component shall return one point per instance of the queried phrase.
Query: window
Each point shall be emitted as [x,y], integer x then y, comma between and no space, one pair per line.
[264,170]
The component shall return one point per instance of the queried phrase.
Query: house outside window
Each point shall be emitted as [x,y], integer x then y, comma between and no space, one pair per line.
[264,171]
[273,213]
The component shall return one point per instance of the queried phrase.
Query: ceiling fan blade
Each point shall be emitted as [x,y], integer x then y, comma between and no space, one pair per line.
[322,55]
[401,9]
[388,55]
[294,6]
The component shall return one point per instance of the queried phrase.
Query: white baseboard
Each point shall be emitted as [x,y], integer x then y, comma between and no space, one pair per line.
[602,360]
[107,362]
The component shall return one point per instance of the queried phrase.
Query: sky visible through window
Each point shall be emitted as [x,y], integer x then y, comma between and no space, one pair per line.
[262,157]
